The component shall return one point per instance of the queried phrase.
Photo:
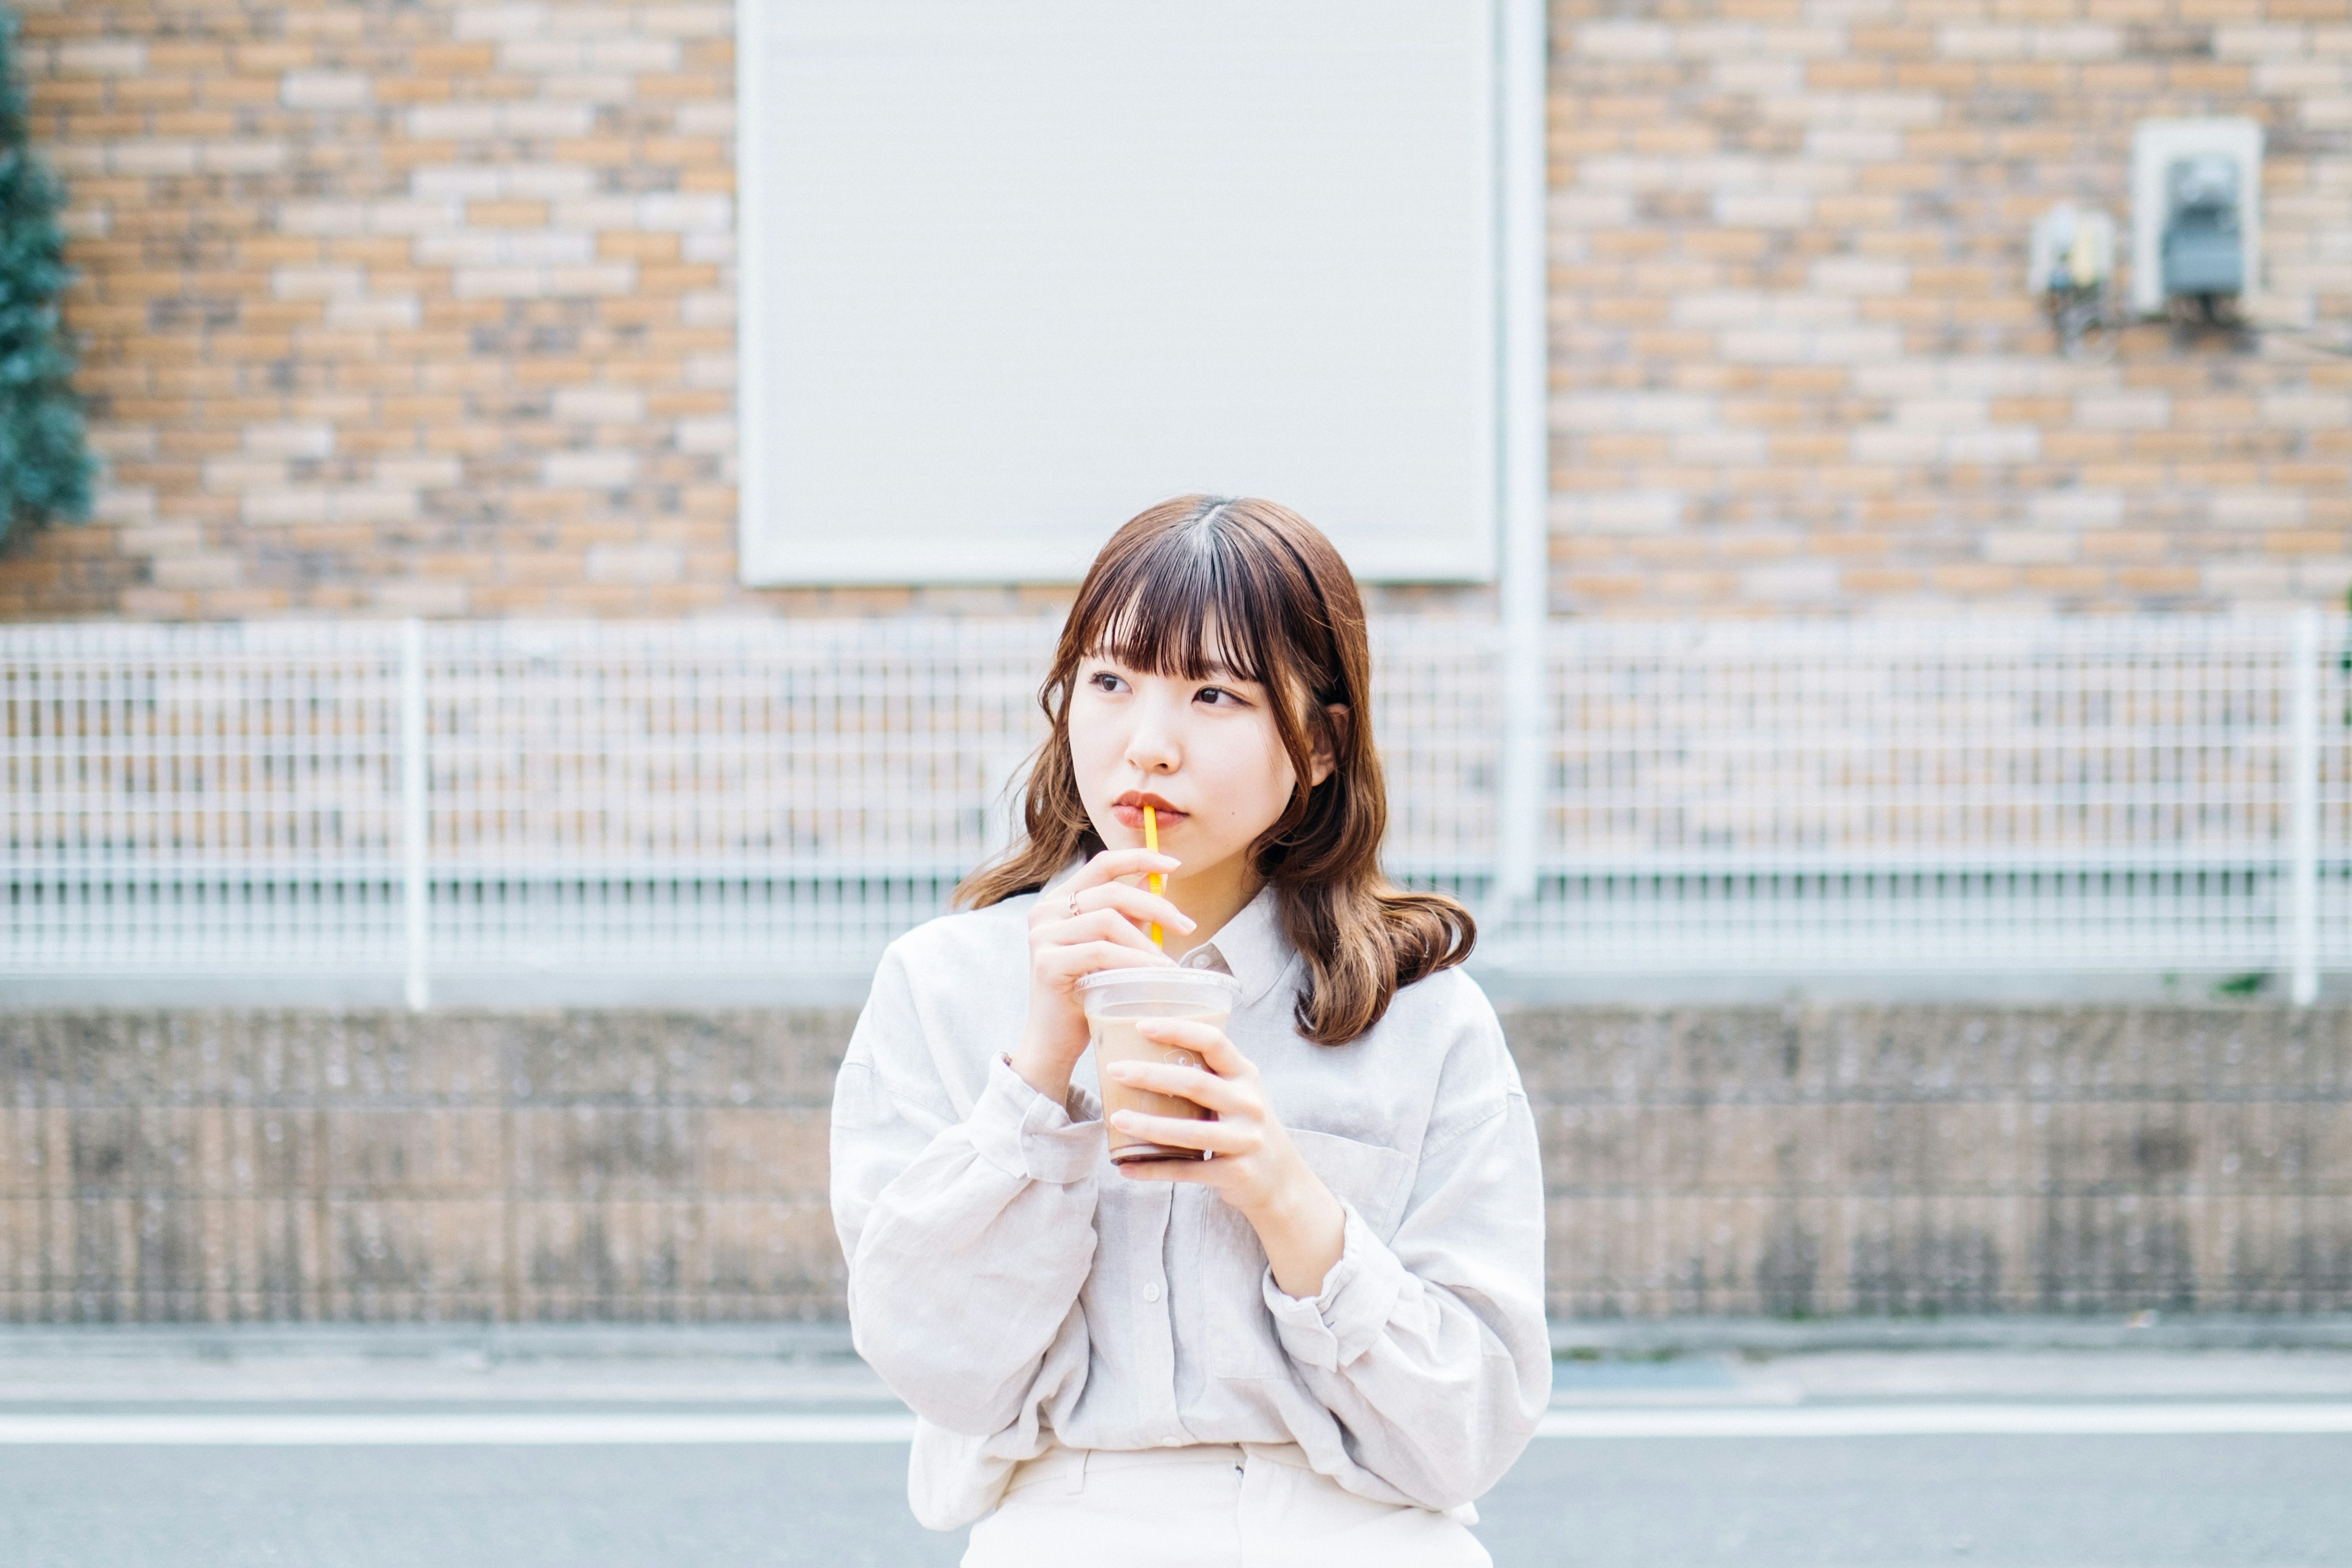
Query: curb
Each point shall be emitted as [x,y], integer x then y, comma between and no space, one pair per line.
[2146,1332]
[475,1342]
[813,1344]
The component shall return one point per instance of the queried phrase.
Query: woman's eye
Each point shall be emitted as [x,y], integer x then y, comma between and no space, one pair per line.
[1103,680]
[1217,697]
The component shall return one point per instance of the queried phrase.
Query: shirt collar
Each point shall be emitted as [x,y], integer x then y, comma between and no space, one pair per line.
[1251,947]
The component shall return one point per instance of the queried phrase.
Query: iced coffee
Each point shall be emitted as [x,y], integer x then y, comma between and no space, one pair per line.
[1117,1000]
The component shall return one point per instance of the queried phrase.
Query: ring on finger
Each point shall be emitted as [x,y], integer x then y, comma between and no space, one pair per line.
[1073,906]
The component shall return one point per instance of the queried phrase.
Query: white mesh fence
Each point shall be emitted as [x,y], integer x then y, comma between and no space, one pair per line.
[2088,794]
[184,798]
[2127,794]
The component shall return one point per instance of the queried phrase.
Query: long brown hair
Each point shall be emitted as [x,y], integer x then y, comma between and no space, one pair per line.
[1284,611]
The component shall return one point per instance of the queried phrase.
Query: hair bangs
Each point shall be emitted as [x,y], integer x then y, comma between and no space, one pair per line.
[1185,606]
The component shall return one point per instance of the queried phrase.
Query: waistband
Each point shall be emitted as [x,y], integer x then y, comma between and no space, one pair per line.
[1070,1467]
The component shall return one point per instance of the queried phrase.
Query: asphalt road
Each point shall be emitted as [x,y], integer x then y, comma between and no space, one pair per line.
[1978,1502]
[211,1495]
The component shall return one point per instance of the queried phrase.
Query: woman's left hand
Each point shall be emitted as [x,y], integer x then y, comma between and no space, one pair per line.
[1256,1167]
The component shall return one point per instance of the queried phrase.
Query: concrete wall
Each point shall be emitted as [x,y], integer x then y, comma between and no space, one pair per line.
[1946,1159]
[387,1167]
[430,308]
[281,1166]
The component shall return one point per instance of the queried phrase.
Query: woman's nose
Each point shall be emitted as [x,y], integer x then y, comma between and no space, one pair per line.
[1152,744]
[1150,754]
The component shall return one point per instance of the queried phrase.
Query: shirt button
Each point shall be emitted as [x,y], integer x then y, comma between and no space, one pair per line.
[1151,1291]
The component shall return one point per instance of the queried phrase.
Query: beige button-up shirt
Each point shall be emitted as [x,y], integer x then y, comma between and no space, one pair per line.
[1016,1291]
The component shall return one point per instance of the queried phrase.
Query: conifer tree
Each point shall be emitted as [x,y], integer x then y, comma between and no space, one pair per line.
[46,470]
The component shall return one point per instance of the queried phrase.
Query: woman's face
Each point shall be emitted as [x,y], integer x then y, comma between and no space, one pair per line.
[1203,753]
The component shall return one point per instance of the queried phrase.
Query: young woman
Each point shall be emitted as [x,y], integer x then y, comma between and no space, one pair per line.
[1330,1333]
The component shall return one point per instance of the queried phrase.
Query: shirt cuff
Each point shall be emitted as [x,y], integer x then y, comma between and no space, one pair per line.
[1023,1133]
[1359,1294]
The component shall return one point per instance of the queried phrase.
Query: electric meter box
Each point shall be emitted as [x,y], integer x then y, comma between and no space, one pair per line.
[2196,211]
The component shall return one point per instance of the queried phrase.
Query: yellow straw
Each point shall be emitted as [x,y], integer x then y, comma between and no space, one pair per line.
[1152,842]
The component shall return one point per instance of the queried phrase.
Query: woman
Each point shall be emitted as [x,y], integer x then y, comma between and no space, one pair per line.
[1328,1333]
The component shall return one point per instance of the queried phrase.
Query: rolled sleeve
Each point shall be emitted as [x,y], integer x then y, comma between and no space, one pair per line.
[1329,1330]
[968,1228]
[1428,1350]
[1023,1133]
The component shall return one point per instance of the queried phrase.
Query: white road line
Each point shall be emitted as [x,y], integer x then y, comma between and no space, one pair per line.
[402,1429]
[2172,1418]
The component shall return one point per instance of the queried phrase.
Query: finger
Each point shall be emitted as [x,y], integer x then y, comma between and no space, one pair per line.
[1113,864]
[1183,1132]
[1069,963]
[1204,1089]
[1107,925]
[1102,925]
[1135,904]
[1215,1048]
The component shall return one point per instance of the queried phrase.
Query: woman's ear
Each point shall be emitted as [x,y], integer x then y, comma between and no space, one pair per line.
[1328,734]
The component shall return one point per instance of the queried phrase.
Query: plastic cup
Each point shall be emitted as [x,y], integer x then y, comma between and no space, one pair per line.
[1116,1000]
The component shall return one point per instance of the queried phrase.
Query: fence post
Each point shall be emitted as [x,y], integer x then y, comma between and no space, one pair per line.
[2303,880]
[415,889]
[1524,481]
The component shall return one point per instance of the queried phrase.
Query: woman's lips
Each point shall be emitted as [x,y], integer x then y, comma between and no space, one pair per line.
[1131,817]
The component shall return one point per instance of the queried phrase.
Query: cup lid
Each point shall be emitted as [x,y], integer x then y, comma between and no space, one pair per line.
[1162,974]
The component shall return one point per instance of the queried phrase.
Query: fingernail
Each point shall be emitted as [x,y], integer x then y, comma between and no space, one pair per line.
[1122,1070]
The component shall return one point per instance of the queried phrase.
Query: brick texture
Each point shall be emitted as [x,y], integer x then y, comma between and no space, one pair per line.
[429,308]
[217,1167]
[1794,365]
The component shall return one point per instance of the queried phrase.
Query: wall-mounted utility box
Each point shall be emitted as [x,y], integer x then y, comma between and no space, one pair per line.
[2196,211]
[2073,248]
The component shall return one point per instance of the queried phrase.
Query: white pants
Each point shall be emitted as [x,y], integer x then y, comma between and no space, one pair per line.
[1209,1506]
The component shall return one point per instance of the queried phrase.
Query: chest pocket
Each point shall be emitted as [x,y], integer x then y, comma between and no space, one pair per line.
[1239,1329]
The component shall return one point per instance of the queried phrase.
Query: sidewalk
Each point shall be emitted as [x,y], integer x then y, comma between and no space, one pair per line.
[786,1366]
[812,1369]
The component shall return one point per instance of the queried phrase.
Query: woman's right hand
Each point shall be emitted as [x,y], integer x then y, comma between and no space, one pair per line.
[1092,922]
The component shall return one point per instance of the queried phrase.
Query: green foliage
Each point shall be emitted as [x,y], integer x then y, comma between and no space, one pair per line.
[2249,984]
[46,471]
[2344,663]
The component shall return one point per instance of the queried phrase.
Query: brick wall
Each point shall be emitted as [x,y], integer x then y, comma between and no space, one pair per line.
[1794,365]
[429,308]
[517,1166]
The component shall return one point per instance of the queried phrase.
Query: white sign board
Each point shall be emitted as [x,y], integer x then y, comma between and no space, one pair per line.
[1013,271]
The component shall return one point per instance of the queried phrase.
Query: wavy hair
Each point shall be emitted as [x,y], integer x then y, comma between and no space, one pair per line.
[1284,611]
